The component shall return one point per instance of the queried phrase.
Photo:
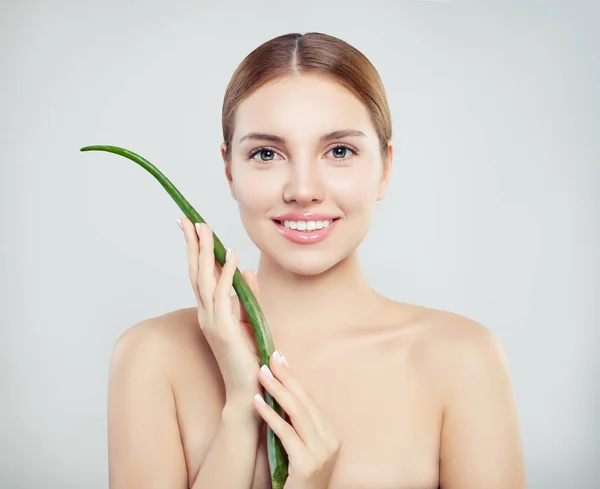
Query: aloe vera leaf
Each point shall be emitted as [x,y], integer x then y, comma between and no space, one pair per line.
[277,457]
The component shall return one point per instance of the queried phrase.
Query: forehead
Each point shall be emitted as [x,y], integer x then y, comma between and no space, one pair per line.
[304,105]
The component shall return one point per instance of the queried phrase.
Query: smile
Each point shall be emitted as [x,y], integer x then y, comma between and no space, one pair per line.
[306,232]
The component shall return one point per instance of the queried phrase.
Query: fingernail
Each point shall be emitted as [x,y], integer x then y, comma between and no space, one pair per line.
[279,358]
[267,372]
[227,254]
[197,226]
[179,224]
[284,361]
[258,398]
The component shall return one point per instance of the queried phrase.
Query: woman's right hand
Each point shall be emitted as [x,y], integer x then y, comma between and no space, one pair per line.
[221,316]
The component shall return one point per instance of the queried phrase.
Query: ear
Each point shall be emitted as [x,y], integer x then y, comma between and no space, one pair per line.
[227,170]
[385,174]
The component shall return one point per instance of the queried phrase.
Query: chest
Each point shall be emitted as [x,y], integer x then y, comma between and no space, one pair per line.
[389,423]
[387,414]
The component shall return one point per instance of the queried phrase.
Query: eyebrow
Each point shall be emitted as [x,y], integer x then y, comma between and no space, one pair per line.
[342,133]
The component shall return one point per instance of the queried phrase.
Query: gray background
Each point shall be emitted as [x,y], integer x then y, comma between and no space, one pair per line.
[493,210]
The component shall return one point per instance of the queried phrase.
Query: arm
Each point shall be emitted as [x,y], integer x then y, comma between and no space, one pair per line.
[144,441]
[231,459]
[144,445]
[480,441]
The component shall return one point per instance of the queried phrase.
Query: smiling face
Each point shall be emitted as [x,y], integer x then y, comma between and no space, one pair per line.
[296,171]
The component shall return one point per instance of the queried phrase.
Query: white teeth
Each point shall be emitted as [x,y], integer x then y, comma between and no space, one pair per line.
[306,225]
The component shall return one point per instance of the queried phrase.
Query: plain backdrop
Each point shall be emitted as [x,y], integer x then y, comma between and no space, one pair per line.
[493,210]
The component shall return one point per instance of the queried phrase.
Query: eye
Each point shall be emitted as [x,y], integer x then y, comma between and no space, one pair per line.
[263,151]
[342,149]
[339,150]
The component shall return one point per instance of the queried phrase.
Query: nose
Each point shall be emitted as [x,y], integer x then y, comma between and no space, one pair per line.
[305,183]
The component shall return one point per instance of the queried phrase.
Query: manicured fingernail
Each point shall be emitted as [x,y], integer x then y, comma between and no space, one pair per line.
[267,372]
[284,361]
[197,226]
[179,224]
[277,357]
[258,398]
[227,253]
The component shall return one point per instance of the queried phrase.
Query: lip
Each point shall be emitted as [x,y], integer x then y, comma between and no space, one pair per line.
[306,216]
[304,237]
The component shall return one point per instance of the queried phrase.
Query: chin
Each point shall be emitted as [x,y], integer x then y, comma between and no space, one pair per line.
[308,261]
[308,266]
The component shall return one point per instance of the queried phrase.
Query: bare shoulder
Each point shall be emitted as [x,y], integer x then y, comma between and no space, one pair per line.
[448,335]
[480,444]
[172,326]
[161,340]
[147,387]
[445,343]
[460,329]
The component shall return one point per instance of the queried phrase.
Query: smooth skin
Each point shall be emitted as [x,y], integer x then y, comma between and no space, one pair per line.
[416,397]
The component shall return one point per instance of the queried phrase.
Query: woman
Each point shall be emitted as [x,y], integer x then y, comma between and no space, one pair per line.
[379,393]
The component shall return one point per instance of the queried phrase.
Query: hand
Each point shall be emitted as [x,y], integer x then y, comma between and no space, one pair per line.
[222,317]
[311,444]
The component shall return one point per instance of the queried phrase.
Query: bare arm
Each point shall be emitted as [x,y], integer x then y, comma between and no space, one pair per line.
[481,443]
[144,441]
[231,459]
[144,446]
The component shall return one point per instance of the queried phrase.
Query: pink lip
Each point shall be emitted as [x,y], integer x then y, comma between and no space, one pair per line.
[305,237]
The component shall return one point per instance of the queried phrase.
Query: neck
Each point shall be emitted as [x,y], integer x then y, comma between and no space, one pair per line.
[326,302]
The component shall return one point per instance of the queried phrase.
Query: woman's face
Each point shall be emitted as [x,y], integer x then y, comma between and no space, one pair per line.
[296,171]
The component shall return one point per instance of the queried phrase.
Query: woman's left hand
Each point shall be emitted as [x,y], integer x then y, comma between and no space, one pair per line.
[310,443]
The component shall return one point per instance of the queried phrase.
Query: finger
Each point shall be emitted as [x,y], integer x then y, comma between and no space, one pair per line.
[222,297]
[206,268]
[191,240]
[218,269]
[290,440]
[300,416]
[309,408]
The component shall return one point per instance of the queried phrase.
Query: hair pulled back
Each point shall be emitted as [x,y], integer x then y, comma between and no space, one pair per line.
[313,52]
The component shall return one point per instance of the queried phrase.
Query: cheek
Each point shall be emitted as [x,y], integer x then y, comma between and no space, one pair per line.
[254,192]
[356,192]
